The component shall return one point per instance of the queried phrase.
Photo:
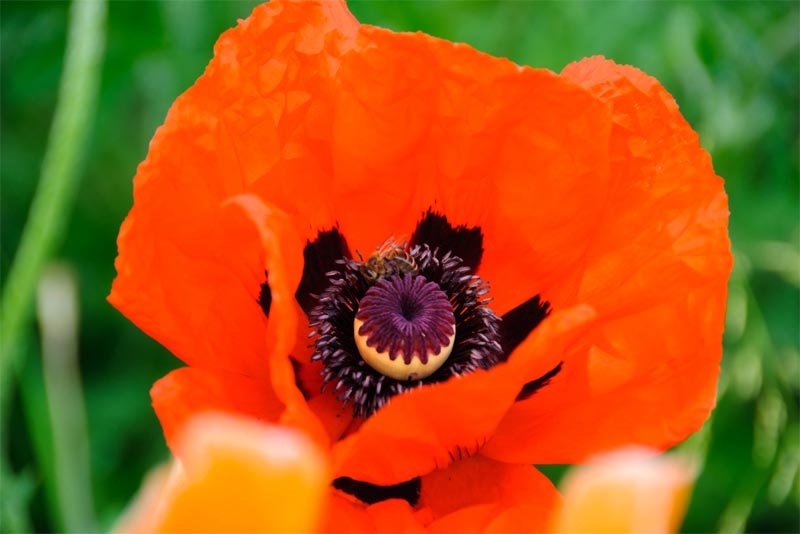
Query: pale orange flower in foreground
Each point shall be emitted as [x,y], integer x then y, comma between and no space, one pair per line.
[630,490]
[236,475]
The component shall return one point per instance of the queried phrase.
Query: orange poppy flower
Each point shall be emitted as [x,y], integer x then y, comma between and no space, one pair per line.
[582,200]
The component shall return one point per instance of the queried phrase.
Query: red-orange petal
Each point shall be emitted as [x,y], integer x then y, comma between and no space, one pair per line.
[473,518]
[432,426]
[425,123]
[394,515]
[251,123]
[656,272]
[188,391]
[478,494]
[190,285]
[283,261]
[345,514]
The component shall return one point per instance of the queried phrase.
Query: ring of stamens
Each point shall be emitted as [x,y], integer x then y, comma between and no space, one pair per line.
[475,346]
[405,327]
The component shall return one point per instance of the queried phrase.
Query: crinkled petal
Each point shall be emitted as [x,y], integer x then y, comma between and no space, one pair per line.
[184,277]
[482,495]
[656,273]
[425,123]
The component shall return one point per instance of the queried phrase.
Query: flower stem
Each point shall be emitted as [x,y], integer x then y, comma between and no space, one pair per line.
[58,182]
[57,309]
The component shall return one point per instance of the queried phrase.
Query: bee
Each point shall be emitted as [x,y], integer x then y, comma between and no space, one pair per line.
[389,258]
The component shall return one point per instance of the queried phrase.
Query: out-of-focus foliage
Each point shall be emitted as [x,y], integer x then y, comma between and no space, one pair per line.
[733,68]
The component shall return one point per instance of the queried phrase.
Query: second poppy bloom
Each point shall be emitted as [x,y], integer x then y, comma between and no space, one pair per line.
[497,265]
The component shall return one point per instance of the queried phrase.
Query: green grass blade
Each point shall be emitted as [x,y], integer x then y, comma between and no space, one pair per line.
[49,212]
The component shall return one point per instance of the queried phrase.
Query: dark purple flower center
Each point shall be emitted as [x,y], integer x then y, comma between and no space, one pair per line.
[402,295]
[406,316]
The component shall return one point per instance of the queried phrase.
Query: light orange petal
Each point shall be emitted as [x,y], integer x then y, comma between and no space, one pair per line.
[239,475]
[141,512]
[626,491]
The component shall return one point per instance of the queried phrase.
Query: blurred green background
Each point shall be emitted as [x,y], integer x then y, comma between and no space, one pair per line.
[732,66]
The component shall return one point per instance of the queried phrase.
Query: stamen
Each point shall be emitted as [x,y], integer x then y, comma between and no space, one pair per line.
[405,327]
[476,344]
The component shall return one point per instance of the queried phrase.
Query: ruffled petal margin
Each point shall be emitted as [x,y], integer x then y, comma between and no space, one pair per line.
[422,123]
[257,119]
[656,273]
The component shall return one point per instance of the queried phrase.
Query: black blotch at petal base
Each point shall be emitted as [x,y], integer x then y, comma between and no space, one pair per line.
[535,385]
[319,258]
[436,231]
[518,323]
[265,296]
[371,493]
